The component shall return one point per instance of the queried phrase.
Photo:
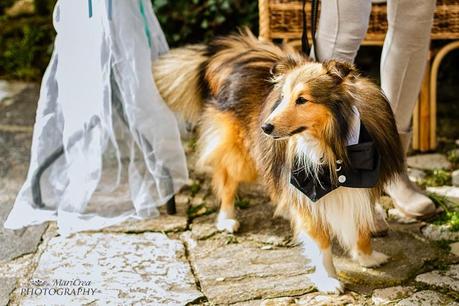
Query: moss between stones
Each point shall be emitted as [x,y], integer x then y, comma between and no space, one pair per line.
[444,244]
[195,188]
[242,203]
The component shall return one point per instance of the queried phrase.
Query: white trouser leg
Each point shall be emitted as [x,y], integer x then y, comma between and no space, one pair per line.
[403,62]
[342,27]
[404,55]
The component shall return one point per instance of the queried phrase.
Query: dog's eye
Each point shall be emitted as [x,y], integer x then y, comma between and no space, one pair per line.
[301,100]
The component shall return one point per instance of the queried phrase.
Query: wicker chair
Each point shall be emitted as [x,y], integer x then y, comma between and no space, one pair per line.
[282,20]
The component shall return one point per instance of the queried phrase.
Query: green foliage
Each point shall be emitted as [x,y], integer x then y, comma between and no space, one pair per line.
[450,215]
[44,7]
[437,177]
[231,239]
[25,47]
[242,203]
[195,21]
[199,210]
[195,188]
[453,156]
[26,42]
[450,218]
[444,244]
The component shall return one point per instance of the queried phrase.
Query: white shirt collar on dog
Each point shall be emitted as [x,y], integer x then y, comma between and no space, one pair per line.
[354,127]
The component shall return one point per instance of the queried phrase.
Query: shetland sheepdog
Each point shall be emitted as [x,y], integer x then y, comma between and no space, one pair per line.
[264,110]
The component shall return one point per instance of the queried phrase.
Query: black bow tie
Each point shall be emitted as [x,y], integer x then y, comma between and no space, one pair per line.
[362,172]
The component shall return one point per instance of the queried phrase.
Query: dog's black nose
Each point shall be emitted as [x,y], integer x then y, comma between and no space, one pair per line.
[268,128]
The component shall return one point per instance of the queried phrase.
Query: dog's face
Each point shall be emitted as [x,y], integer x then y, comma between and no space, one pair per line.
[312,103]
[309,96]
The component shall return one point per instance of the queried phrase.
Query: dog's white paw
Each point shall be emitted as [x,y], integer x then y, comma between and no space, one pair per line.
[227,224]
[327,284]
[374,260]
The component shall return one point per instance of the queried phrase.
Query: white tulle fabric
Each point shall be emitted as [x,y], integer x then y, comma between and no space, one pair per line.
[122,155]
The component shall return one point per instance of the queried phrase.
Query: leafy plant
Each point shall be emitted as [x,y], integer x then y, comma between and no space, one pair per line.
[450,215]
[450,218]
[199,210]
[25,47]
[26,42]
[453,156]
[197,21]
[437,177]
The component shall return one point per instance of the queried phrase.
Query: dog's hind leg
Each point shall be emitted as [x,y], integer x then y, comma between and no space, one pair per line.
[317,247]
[225,187]
[364,254]
[223,146]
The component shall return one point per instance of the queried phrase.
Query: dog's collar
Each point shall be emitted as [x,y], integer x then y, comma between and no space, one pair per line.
[362,172]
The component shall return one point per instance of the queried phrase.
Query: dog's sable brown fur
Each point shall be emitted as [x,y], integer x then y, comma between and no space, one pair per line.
[233,86]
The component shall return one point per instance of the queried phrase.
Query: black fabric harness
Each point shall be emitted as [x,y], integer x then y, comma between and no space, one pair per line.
[362,172]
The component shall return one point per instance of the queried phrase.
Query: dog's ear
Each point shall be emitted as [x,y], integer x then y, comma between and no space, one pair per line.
[338,70]
[284,65]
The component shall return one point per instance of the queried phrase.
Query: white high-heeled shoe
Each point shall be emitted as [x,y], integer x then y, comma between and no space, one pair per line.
[406,195]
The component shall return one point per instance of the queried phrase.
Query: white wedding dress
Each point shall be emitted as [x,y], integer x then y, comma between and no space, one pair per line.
[105,145]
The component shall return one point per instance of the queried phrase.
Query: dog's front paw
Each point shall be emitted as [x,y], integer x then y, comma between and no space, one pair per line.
[227,224]
[327,284]
[374,260]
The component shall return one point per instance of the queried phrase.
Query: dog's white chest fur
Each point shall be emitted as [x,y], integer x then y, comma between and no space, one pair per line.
[344,210]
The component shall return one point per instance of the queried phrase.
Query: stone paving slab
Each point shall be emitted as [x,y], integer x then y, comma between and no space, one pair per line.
[162,223]
[14,152]
[391,294]
[263,249]
[454,248]
[448,279]
[142,269]
[17,268]
[428,161]
[257,223]
[455,178]
[315,298]
[7,285]
[407,256]
[450,192]
[427,298]
[231,271]
[18,242]
[439,232]
[258,262]
[20,269]
[9,89]
[18,105]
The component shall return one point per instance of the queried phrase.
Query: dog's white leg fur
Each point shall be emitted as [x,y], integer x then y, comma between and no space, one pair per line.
[226,221]
[347,210]
[324,276]
[375,259]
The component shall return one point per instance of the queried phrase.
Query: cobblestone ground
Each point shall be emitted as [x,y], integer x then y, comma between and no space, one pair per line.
[183,259]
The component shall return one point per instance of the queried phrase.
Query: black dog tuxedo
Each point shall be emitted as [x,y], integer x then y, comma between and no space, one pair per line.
[362,172]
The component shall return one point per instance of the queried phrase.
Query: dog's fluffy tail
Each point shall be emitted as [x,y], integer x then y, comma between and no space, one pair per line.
[178,77]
